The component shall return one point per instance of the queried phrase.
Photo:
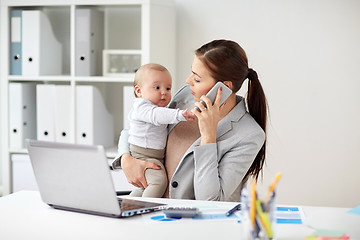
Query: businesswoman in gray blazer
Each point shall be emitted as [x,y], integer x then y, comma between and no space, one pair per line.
[211,158]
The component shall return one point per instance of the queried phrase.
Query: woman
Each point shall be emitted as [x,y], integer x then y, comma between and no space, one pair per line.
[211,159]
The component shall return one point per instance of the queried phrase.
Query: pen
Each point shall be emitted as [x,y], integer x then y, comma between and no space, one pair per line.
[253,204]
[264,219]
[231,211]
[272,187]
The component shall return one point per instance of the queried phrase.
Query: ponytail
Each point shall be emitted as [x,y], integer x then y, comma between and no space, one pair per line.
[257,106]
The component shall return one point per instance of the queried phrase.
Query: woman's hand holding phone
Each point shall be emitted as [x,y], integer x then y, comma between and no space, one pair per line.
[208,111]
[208,117]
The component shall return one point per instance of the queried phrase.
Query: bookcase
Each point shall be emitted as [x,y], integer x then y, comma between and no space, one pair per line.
[128,33]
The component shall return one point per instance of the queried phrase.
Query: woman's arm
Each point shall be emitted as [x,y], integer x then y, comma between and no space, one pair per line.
[221,164]
[217,179]
[133,168]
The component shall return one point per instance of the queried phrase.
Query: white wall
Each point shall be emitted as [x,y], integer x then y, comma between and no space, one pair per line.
[307,55]
[1,110]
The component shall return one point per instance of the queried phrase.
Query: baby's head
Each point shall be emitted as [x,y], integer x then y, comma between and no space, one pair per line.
[153,82]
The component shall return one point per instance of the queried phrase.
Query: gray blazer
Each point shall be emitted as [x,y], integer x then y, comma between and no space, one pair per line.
[213,171]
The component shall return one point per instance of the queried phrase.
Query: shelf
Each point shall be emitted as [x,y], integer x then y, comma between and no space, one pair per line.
[39,78]
[22,150]
[123,78]
[111,152]
[39,3]
[135,31]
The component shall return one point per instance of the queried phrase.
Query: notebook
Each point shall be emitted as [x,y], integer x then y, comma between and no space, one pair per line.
[77,178]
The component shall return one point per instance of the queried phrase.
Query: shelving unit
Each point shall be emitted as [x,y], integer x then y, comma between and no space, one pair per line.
[145,26]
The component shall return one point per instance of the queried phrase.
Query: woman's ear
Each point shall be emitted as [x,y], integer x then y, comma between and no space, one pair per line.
[137,91]
[229,84]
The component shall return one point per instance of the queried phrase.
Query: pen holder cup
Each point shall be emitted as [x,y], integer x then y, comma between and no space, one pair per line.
[261,224]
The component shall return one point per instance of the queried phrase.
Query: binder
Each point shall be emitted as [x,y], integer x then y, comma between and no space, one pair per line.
[42,52]
[23,177]
[22,116]
[128,98]
[94,124]
[63,114]
[15,42]
[89,42]
[45,111]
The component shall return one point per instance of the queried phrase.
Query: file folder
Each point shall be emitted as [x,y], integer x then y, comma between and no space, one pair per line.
[63,114]
[22,115]
[89,42]
[42,52]
[128,98]
[94,124]
[15,42]
[45,111]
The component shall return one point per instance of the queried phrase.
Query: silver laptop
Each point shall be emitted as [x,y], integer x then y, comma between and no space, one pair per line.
[77,178]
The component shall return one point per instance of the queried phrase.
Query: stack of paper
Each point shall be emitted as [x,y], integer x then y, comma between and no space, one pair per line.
[323,234]
[23,177]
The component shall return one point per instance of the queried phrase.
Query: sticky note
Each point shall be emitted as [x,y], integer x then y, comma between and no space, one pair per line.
[355,211]
[329,233]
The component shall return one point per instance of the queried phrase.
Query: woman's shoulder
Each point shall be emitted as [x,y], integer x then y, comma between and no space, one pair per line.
[183,92]
[252,126]
[182,98]
[244,123]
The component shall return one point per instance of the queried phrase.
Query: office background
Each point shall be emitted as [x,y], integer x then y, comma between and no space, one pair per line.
[307,55]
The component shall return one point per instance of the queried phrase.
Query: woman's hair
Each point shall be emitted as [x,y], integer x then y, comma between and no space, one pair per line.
[227,61]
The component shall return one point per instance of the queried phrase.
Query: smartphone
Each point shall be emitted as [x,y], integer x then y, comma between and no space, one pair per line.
[226,92]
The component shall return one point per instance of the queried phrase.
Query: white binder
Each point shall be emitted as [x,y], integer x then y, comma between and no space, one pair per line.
[41,51]
[94,124]
[15,42]
[63,132]
[128,98]
[45,111]
[89,42]
[22,116]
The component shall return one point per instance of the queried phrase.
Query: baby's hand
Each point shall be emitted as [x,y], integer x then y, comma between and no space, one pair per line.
[189,116]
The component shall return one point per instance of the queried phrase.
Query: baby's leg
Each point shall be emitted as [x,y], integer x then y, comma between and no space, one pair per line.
[156,179]
[137,192]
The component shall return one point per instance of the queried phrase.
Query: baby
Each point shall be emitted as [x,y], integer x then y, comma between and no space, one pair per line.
[149,118]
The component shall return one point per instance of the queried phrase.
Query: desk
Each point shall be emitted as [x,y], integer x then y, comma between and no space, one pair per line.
[24,216]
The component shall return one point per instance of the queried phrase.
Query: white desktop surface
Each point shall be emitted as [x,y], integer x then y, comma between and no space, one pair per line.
[24,216]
